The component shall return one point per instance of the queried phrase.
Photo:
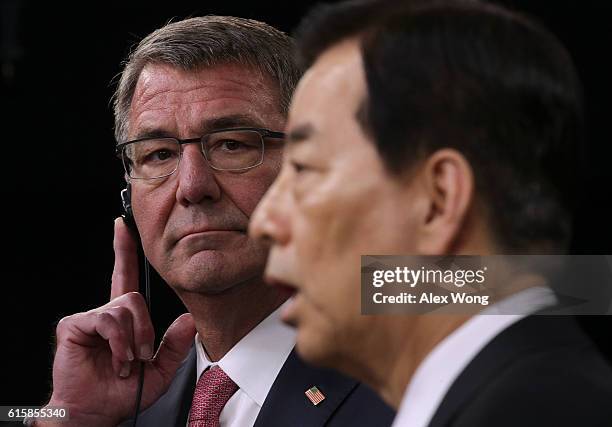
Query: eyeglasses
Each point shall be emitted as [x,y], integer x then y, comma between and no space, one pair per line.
[235,149]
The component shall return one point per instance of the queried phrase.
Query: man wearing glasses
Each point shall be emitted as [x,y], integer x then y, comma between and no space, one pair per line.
[233,149]
[199,111]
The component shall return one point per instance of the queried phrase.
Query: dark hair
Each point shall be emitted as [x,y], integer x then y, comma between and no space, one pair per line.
[475,77]
[204,42]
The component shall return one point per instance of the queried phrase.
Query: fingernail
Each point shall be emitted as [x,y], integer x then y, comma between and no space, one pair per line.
[146,352]
[130,354]
[125,370]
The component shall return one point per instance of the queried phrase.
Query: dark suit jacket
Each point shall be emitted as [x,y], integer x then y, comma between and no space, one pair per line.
[347,402]
[541,371]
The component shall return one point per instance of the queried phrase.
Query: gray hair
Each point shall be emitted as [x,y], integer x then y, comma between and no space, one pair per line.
[204,42]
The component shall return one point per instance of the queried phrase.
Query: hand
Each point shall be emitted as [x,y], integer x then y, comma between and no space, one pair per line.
[96,365]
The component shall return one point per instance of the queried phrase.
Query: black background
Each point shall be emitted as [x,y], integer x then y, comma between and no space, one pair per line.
[61,182]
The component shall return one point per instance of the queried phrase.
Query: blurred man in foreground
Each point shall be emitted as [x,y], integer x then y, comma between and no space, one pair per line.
[432,128]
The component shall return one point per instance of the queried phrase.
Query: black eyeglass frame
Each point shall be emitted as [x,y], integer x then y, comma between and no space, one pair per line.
[263,133]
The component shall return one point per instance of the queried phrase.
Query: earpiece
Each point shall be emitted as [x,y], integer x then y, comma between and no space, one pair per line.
[126,200]
[128,218]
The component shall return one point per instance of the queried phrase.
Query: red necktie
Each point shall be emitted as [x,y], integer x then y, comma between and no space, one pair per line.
[212,392]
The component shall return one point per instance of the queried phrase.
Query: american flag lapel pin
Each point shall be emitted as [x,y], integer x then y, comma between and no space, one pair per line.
[314,395]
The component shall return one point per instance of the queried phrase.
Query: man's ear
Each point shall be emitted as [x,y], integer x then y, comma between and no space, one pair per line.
[447,186]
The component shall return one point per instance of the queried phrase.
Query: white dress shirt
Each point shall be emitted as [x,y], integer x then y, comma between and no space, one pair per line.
[437,372]
[253,364]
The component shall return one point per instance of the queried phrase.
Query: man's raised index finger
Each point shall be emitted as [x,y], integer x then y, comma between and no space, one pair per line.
[125,271]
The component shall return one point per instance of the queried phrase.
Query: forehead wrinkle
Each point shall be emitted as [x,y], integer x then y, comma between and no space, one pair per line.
[250,116]
[166,93]
[226,93]
[164,106]
[254,83]
[148,98]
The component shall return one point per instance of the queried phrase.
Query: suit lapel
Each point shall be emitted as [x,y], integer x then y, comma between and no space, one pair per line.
[172,409]
[530,334]
[286,403]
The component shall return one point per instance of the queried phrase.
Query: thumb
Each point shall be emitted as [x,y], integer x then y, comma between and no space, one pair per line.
[174,346]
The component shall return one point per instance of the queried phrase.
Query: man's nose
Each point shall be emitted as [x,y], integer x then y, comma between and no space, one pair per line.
[196,178]
[270,220]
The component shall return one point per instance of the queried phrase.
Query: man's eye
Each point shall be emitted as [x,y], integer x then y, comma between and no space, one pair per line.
[157,156]
[161,155]
[231,145]
[298,167]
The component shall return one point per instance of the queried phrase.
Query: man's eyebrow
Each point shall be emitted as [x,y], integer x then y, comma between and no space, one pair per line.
[231,121]
[207,125]
[300,133]
[152,133]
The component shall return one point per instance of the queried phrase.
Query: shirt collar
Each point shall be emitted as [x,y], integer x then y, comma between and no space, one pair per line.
[255,361]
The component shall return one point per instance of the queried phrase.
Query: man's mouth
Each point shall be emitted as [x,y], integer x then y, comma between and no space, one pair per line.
[208,232]
[211,240]
[283,285]
[287,314]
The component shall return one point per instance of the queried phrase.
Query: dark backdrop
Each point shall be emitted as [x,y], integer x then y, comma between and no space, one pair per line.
[61,181]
